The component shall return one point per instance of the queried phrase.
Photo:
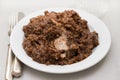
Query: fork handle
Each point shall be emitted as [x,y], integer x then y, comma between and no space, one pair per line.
[8,75]
[17,68]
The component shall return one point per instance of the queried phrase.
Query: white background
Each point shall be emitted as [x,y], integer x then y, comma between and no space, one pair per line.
[107,10]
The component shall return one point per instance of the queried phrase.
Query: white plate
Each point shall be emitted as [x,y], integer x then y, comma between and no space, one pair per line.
[98,54]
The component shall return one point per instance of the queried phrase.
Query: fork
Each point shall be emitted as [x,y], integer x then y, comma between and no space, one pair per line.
[13,66]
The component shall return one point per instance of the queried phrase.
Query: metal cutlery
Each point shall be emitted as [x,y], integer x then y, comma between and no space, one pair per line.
[17,67]
[14,67]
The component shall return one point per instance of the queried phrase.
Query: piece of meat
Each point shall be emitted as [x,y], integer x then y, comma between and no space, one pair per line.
[60,43]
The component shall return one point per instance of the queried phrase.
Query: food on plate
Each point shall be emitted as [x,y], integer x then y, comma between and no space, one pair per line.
[59,38]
